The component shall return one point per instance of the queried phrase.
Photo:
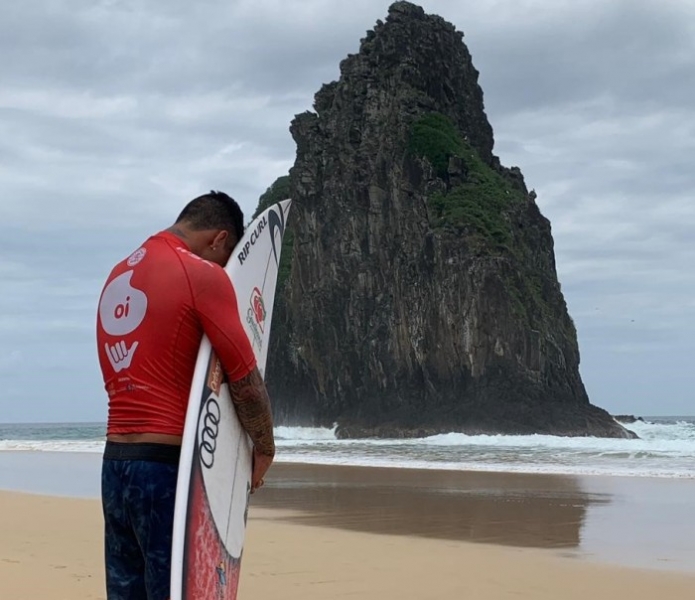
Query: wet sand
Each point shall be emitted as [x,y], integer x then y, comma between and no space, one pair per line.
[631,521]
[508,509]
[637,522]
[51,548]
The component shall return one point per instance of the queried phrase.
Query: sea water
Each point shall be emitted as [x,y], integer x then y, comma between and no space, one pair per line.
[665,448]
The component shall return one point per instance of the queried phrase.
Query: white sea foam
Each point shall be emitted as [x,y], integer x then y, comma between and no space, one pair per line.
[51,446]
[663,450]
[304,434]
[681,430]
[500,467]
[676,440]
[647,444]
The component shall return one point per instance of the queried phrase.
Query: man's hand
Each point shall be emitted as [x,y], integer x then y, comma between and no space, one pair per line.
[261,464]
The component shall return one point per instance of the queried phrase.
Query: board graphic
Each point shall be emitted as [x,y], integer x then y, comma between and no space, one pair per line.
[214,479]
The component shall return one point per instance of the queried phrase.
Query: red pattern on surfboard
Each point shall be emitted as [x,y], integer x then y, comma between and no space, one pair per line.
[210,573]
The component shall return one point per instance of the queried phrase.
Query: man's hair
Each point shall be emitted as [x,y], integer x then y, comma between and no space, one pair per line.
[215,210]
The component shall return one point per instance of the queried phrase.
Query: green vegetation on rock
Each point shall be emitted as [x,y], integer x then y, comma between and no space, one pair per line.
[278,191]
[465,207]
[436,138]
[479,201]
[476,202]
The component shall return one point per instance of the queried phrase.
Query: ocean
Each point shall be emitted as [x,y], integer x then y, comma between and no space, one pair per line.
[666,449]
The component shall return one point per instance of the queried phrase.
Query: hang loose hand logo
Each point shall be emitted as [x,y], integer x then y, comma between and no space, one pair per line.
[121,310]
[119,355]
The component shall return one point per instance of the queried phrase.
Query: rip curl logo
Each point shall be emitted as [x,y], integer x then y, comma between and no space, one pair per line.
[277,224]
[253,238]
[121,311]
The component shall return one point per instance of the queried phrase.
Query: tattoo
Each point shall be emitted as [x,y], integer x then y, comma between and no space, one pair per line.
[176,230]
[252,403]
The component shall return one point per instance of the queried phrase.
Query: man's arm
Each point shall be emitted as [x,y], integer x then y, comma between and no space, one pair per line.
[216,305]
[252,404]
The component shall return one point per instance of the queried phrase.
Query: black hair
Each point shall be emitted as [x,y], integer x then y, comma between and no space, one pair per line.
[215,210]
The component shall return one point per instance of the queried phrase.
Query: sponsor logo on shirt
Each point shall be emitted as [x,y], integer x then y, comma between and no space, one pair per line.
[121,311]
[136,257]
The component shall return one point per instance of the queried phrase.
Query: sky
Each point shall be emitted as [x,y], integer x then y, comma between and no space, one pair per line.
[113,114]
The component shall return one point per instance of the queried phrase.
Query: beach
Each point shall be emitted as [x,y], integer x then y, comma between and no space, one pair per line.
[319,531]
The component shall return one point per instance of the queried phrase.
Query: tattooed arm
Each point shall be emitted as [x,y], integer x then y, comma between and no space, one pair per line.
[216,305]
[252,404]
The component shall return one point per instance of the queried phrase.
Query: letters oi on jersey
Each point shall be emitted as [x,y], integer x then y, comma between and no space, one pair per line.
[122,309]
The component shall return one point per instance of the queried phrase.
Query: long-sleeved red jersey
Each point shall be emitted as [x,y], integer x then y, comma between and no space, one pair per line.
[153,311]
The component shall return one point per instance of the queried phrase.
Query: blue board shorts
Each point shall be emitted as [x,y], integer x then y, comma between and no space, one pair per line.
[138,492]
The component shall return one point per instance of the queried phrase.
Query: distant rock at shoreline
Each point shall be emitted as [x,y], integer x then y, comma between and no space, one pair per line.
[628,419]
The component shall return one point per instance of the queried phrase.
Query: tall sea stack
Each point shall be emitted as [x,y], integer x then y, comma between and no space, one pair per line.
[421,294]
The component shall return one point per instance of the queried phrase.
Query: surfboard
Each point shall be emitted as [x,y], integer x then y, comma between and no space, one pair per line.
[214,479]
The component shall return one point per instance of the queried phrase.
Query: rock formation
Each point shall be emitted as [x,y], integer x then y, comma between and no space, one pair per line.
[422,295]
[628,419]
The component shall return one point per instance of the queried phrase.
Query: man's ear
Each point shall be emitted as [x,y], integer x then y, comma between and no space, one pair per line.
[221,238]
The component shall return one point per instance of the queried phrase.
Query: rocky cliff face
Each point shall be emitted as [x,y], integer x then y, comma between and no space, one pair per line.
[423,295]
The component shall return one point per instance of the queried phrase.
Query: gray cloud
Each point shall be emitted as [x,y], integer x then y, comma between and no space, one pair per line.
[114,113]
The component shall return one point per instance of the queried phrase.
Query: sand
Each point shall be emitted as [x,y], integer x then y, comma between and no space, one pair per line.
[51,548]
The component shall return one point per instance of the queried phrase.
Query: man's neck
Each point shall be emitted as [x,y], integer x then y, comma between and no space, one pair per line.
[179,232]
[192,239]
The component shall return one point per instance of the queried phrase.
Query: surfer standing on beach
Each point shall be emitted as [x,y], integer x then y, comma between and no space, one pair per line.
[154,309]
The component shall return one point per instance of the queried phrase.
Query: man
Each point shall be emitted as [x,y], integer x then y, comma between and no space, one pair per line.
[154,308]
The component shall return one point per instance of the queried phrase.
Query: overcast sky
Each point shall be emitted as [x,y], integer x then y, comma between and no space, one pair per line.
[113,114]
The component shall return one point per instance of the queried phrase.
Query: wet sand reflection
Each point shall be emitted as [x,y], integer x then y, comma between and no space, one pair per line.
[511,509]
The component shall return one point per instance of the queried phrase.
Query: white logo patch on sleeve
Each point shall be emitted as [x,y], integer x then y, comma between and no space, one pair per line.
[136,257]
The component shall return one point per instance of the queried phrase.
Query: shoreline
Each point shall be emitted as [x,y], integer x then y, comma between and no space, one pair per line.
[386,465]
[634,522]
[52,548]
[665,452]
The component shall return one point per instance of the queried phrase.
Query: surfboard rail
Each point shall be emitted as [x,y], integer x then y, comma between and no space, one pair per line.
[214,479]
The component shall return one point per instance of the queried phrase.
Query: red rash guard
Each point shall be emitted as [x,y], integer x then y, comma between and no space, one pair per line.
[153,311]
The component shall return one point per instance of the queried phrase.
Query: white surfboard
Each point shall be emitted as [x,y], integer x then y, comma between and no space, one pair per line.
[214,478]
